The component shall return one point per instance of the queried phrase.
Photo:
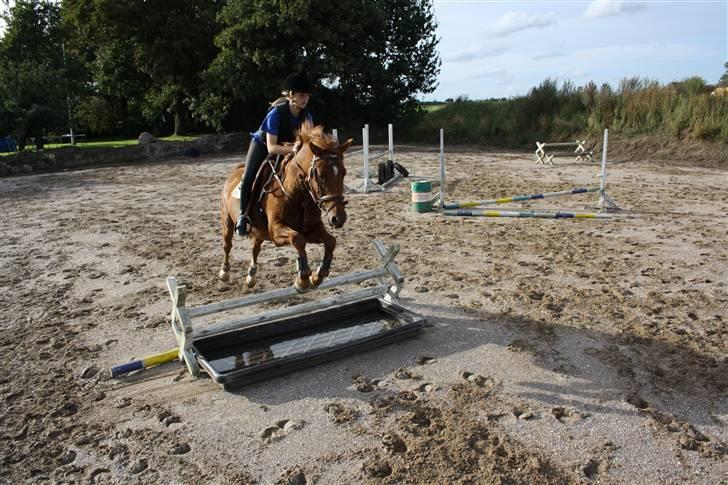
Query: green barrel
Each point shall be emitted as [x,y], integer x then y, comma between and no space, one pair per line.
[422,196]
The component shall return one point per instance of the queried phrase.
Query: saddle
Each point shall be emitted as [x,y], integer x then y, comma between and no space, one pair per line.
[268,179]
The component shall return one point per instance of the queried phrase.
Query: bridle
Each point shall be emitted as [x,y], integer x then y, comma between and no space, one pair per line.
[320,200]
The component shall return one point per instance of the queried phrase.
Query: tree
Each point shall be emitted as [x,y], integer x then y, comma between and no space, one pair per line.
[145,57]
[724,78]
[33,77]
[369,59]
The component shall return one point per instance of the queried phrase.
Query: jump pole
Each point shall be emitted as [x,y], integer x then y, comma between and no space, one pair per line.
[388,283]
[528,214]
[521,198]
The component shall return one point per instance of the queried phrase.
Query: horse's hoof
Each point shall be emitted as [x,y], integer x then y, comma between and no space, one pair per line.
[301,286]
[316,280]
[249,282]
[224,276]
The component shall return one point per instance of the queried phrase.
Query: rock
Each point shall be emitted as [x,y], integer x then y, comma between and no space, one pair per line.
[378,468]
[146,138]
[121,402]
[424,360]
[292,425]
[67,457]
[421,289]
[99,396]
[393,443]
[138,466]
[272,433]
[27,168]
[686,442]
[89,372]
[181,449]
[403,374]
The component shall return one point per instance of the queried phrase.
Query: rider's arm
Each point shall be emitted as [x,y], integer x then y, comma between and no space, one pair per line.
[274,148]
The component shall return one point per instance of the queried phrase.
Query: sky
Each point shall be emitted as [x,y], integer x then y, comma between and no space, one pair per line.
[494,49]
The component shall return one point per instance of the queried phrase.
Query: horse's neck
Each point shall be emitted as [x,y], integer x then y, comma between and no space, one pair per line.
[296,171]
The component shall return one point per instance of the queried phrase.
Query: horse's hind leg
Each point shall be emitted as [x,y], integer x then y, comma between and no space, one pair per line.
[253,268]
[329,246]
[228,229]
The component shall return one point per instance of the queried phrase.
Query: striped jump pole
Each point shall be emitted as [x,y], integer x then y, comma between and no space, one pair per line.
[528,214]
[145,363]
[520,198]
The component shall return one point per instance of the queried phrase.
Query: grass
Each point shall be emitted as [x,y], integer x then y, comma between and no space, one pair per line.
[106,143]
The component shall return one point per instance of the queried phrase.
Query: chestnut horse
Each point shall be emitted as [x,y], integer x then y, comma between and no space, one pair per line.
[308,184]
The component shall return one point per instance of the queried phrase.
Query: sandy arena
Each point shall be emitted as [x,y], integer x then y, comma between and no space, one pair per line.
[556,351]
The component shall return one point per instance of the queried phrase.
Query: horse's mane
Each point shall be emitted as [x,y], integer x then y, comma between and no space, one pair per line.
[316,136]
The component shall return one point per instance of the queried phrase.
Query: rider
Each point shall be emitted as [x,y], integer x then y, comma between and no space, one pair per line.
[275,136]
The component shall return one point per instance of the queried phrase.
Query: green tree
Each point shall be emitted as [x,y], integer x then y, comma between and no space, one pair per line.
[145,57]
[724,78]
[369,59]
[33,77]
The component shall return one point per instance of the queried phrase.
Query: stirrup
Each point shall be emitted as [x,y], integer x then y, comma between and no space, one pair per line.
[243,225]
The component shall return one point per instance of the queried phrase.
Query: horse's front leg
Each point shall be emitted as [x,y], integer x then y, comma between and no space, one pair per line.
[227,242]
[253,268]
[322,236]
[282,235]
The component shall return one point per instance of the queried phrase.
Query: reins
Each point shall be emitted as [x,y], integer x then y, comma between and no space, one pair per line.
[319,200]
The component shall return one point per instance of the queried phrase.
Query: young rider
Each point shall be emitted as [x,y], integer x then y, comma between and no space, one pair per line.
[274,137]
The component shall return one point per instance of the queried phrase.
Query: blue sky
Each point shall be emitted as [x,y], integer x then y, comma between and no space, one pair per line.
[495,48]
[504,48]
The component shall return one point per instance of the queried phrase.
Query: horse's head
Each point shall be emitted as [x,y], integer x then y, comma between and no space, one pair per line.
[326,180]
[321,160]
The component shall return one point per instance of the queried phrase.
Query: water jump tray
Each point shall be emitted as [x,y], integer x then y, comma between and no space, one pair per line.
[258,352]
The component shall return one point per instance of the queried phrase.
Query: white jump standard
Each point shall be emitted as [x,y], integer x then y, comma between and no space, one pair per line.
[581,152]
[367,185]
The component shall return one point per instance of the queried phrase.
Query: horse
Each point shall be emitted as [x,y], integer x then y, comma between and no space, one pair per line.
[307,185]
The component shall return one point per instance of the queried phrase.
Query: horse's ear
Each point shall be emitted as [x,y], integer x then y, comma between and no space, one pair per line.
[344,146]
[318,151]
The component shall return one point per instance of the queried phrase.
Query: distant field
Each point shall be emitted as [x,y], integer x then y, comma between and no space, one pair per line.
[434,107]
[105,143]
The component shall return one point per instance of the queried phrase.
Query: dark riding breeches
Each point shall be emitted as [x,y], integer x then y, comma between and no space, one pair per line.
[256,154]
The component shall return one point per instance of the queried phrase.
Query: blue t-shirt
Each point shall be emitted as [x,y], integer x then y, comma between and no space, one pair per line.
[271,122]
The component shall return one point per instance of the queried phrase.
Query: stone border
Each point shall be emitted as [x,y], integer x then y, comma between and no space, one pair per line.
[148,150]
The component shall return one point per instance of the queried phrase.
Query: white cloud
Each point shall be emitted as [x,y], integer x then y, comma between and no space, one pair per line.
[491,72]
[547,55]
[609,8]
[516,21]
[656,52]
[476,53]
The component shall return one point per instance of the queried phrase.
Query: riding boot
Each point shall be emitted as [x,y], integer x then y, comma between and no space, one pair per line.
[243,225]
[256,155]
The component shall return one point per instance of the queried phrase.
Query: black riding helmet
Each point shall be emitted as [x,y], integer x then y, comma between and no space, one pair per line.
[298,83]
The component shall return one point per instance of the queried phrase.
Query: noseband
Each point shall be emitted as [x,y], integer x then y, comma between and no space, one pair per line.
[312,174]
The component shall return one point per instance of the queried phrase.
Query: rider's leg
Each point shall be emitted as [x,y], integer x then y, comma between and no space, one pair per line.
[256,154]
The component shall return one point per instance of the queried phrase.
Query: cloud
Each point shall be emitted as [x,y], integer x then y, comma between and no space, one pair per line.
[491,72]
[516,21]
[547,55]
[638,53]
[476,53]
[609,8]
